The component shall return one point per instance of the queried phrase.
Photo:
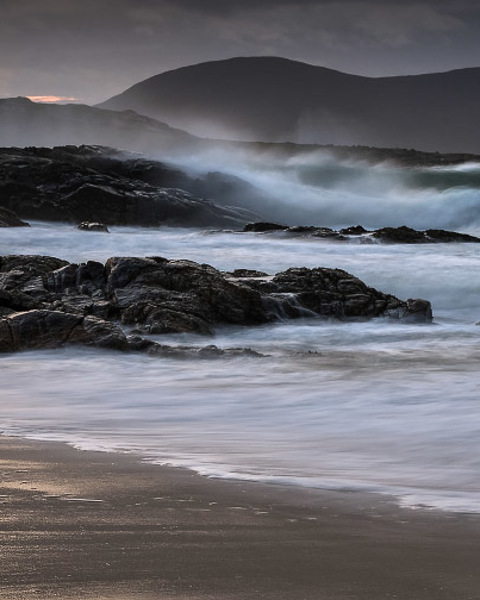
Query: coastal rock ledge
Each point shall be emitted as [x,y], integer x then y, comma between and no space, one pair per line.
[46,302]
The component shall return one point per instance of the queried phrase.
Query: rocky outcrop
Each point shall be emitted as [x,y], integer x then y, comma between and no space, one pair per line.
[40,329]
[334,293]
[46,302]
[262,226]
[67,184]
[391,235]
[92,226]
[406,235]
[9,219]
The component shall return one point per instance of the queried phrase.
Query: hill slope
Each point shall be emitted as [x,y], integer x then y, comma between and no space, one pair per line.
[26,123]
[274,99]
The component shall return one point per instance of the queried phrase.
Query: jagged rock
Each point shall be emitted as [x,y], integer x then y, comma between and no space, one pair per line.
[139,344]
[336,293]
[66,184]
[39,329]
[9,219]
[400,235]
[391,235]
[263,226]
[241,273]
[353,230]
[440,235]
[188,295]
[46,302]
[92,226]
[407,235]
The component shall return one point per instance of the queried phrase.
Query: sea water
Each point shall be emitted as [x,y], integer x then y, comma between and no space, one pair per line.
[376,406]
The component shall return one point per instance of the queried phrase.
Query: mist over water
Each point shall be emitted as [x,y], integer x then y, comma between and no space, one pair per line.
[318,189]
[378,405]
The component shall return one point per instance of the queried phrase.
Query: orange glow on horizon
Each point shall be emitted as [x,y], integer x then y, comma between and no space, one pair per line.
[51,99]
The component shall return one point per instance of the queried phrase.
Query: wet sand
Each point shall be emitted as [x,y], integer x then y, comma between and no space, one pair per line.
[93,525]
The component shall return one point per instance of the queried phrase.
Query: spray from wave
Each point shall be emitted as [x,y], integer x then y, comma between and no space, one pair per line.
[316,188]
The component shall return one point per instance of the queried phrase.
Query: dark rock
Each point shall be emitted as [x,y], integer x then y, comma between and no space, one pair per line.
[62,184]
[263,226]
[99,333]
[353,230]
[440,235]
[327,233]
[335,293]
[400,235]
[302,229]
[92,226]
[241,273]
[179,293]
[9,219]
[391,235]
[417,311]
[139,344]
[39,329]
[46,302]
[205,352]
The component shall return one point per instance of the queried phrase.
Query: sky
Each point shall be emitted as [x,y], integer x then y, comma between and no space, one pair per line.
[89,50]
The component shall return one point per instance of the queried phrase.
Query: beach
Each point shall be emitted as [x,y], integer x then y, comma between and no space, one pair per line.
[81,524]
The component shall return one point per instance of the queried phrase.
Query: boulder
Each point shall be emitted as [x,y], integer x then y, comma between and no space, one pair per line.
[353,230]
[337,294]
[9,219]
[194,295]
[262,226]
[40,329]
[92,226]
[46,302]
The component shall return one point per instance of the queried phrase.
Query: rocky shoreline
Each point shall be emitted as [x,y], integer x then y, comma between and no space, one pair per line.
[389,235]
[92,183]
[94,187]
[46,302]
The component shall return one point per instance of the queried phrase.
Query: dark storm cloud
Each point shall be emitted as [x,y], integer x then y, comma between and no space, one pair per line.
[96,48]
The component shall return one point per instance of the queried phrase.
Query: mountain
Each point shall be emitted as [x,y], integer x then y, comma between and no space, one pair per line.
[275,100]
[26,123]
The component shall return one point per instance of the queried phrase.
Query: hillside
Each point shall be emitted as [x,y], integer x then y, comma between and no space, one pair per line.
[274,99]
[26,123]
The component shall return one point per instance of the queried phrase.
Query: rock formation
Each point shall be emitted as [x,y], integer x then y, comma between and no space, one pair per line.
[46,302]
[391,235]
[92,226]
[9,219]
[76,184]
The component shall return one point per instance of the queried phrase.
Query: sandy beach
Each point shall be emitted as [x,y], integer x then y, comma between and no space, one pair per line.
[84,525]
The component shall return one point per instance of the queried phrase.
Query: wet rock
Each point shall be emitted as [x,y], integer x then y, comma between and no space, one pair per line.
[263,226]
[46,302]
[40,329]
[241,273]
[400,235]
[92,226]
[353,230]
[9,219]
[406,235]
[66,184]
[338,294]
[440,235]
[205,352]
[196,290]
[390,235]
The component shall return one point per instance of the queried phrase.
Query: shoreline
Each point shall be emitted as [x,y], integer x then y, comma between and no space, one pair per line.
[83,524]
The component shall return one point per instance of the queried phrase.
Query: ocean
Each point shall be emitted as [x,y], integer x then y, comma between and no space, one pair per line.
[375,406]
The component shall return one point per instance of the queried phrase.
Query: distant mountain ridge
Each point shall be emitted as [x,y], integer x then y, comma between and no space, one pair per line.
[275,100]
[27,123]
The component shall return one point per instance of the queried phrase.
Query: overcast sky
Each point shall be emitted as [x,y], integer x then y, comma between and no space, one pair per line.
[89,50]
